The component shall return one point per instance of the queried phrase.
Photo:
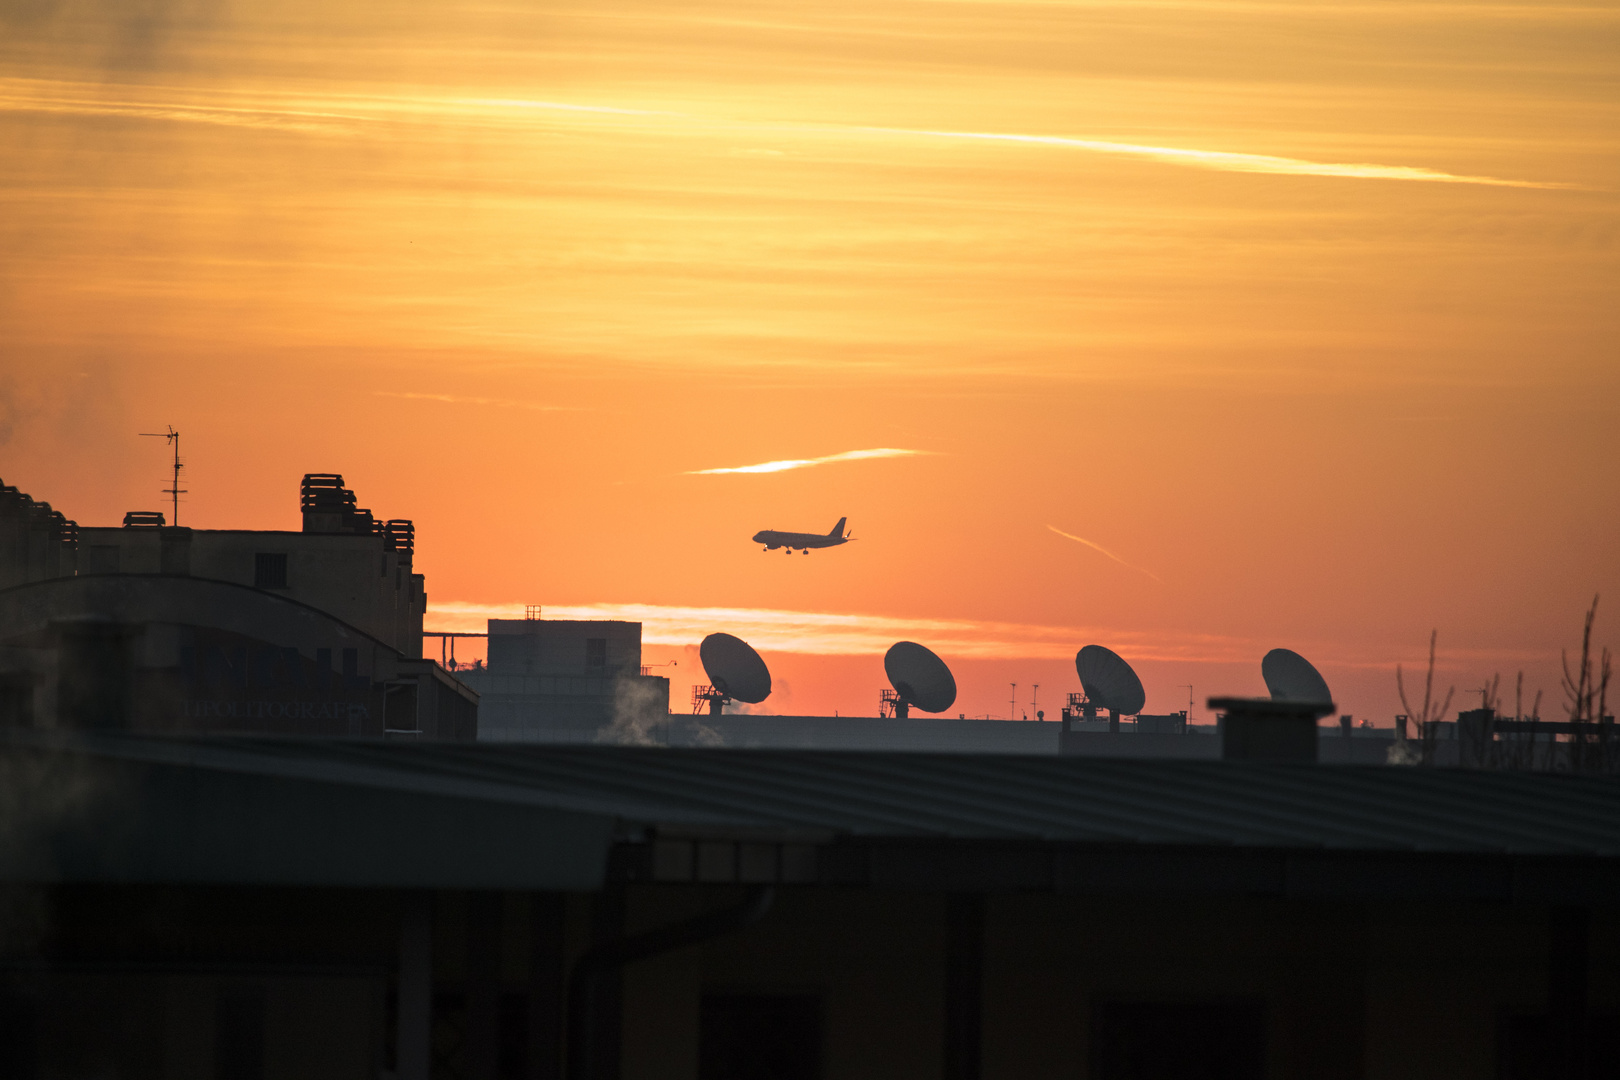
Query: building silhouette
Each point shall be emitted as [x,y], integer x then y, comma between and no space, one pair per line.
[566,680]
[149,627]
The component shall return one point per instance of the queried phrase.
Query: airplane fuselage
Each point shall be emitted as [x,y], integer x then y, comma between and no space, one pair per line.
[797,541]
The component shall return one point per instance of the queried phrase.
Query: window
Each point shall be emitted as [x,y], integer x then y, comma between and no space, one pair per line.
[1172,1040]
[759,1037]
[270,570]
[595,653]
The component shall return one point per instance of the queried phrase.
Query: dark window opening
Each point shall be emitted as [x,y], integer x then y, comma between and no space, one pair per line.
[595,653]
[1179,1041]
[759,1037]
[351,666]
[270,570]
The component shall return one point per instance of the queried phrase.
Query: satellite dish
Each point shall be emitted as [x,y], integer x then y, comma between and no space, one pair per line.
[919,678]
[1290,677]
[736,673]
[1108,681]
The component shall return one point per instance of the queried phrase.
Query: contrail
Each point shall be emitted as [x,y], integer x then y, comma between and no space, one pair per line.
[1105,551]
[1227,161]
[318,114]
[805,463]
[456,399]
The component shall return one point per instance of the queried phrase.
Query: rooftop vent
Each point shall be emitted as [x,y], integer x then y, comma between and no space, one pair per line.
[1263,729]
[329,507]
[400,534]
[66,530]
[39,516]
[143,519]
[13,502]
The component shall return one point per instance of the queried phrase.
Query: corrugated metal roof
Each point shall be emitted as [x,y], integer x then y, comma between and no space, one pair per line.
[954,796]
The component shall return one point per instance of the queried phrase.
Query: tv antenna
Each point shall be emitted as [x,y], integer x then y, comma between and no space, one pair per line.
[174,490]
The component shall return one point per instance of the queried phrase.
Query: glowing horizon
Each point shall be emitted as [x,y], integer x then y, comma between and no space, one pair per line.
[1307,310]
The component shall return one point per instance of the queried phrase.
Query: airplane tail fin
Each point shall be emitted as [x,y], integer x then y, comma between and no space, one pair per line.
[838,529]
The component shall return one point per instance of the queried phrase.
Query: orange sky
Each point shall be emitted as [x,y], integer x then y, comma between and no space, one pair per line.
[517,271]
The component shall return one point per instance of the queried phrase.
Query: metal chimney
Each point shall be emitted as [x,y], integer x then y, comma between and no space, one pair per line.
[1263,729]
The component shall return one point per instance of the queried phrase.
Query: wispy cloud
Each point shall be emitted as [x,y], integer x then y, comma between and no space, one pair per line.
[805,463]
[1105,551]
[830,634]
[456,399]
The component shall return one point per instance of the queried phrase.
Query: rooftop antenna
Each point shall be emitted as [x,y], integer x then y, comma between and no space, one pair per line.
[1290,677]
[1109,683]
[920,680]
[174,490]
[735,671]
[1189,701]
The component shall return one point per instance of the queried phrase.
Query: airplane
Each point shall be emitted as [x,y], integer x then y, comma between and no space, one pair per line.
[790,540]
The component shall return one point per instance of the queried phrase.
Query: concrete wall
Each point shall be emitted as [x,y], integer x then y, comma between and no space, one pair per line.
[198,654]
[562,710]
[531,647]
[932,734]
[36,542]
[354,578]
[568,709]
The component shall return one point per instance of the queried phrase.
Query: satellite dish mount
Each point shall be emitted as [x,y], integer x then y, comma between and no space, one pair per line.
[1109,683]
[920,679]
[736,673]
[708,699]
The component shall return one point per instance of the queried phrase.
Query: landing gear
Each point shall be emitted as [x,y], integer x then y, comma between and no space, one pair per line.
[807,551]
